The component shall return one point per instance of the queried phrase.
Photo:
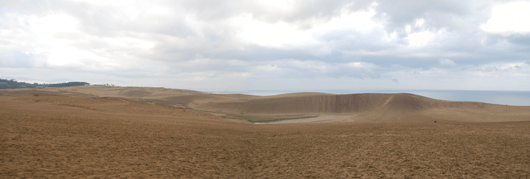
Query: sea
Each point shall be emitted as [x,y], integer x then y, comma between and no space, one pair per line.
[514,98]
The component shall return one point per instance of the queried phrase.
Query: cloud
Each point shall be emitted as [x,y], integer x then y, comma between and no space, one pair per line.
[362,65]
[446,62]
[509,18]
[277,35]
[420,39]
[484,77]
[268,68]
[504,67]
[436,14]
[239,42]
[314,69]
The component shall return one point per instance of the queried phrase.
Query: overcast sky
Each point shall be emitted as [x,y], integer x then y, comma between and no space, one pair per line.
[241,45]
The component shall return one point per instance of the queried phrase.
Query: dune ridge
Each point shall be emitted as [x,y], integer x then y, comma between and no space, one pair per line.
[402,107]
[365,107]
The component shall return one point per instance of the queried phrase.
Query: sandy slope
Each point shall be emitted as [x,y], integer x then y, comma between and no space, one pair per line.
[376,108]
[51,135]
[393,108]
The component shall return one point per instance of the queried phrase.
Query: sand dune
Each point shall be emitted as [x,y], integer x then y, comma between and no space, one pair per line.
[376,108]
[101,134]
[368,107]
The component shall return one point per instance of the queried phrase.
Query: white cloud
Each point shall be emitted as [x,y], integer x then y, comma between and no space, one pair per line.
[360,21]
[324,40]
[319,68]
[504,67]
[285,35]
[446,62]
[268,68]
[420,39]
[211,75]
[408,28]
[509,18]
[392,36]
[281,5]
[361,65]
[419,22]
[315,66]
[277,35]
[512,76]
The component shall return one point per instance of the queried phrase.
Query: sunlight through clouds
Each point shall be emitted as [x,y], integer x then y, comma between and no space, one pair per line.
[509,18]
[281,5]
[281,34]
[276,35]
[420,39]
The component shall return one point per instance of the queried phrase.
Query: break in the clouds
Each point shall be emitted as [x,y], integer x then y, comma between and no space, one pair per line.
[270,45]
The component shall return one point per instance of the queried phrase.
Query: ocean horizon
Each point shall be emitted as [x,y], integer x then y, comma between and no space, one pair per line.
[514,98]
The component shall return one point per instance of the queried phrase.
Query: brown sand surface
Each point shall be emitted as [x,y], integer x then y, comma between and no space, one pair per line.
[393,108]
[74,134]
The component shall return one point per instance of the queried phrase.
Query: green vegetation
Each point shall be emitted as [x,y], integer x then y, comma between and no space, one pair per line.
[264,118]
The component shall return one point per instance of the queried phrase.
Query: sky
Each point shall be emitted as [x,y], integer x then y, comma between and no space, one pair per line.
[242,45]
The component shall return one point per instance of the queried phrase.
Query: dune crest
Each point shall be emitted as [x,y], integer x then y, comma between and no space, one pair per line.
[366,107]
[401,107]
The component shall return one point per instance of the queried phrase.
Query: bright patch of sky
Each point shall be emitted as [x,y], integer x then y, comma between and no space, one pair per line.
[509,18]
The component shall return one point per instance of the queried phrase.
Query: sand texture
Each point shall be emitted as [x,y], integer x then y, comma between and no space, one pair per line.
[381,108]
[78,133]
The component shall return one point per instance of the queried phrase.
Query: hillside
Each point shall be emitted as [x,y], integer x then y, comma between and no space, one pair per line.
[368,107]
[375,108]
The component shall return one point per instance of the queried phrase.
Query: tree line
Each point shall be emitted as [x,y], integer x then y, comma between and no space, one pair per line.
[14,84]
